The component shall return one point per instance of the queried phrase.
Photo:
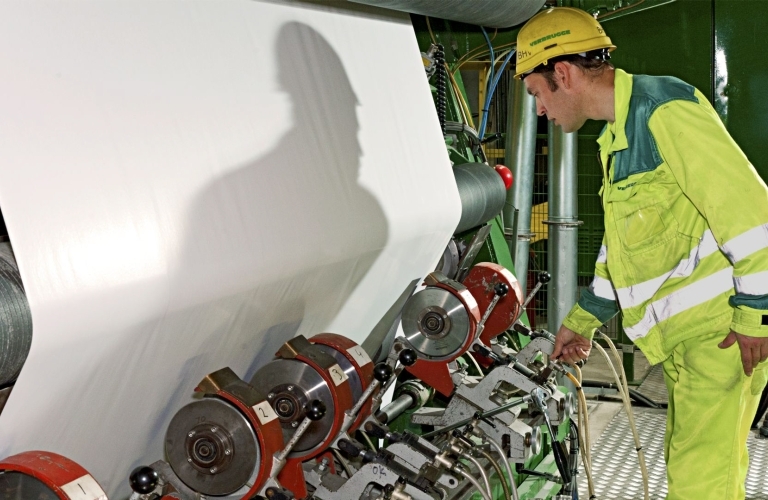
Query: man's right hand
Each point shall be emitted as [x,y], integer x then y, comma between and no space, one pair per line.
[570,346]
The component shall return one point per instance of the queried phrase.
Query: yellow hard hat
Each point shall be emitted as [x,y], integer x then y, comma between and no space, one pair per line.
[556,32]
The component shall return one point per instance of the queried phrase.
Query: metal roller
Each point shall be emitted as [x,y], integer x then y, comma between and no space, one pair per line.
[482,194]
[436,323]
[347,367]
[449,262]
[291,384]
[15,318]
[212,447]
[491,13]
[44,475]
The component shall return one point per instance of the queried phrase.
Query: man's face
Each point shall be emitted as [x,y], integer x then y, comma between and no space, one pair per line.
[559,105]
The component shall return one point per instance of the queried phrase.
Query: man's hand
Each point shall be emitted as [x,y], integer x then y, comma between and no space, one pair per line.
[753,349]
[570,346]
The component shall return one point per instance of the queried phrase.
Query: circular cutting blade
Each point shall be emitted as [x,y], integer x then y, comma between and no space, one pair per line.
[297,382]
[212,447]
[435,323]
[355,384]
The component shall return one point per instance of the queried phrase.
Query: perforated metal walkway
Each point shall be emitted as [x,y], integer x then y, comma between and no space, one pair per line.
[614,461]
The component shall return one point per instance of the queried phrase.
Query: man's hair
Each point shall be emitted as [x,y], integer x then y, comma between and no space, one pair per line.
[588,65]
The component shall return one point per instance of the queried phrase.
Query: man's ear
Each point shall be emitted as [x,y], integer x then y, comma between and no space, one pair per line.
[563,74]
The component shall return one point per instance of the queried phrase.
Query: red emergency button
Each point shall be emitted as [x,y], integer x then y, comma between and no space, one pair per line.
[506,175]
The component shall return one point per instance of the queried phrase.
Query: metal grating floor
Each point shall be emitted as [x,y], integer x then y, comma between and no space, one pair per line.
[654,387]
[616,472]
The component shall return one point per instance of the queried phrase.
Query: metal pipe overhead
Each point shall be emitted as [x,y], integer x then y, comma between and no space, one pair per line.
[490,13]
[520,157]
[563,224]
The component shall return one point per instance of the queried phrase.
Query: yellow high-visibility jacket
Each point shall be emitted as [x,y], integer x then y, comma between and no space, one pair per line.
[685,251]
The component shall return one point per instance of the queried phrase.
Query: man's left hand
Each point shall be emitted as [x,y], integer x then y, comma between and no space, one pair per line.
[753,349]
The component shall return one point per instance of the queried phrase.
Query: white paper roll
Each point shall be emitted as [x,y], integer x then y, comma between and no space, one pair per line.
[187,185]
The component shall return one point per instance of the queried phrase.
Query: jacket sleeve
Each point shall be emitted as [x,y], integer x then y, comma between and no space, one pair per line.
[597,303]
[726,189]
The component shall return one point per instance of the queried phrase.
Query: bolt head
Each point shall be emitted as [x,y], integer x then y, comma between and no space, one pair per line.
[214,429]
[191,433]
[290,387]
[294,424]
[213,470]
[270,395]
[227,452]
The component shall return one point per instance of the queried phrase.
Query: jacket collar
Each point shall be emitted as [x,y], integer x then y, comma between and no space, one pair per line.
[614,137]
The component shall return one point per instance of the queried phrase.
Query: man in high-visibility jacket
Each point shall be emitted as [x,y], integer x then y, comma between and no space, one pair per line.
[685,252]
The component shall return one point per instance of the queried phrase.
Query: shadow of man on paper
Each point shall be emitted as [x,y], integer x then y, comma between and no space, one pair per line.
[271,249]
[277,247]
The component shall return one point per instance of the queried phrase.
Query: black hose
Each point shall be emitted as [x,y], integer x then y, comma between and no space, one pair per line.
[638,397]
[573,460]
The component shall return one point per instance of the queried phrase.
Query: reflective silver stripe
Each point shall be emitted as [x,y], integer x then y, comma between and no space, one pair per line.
[752,284]
[686,298]
[635,295]
[602,257]
[746,243]
[602,288]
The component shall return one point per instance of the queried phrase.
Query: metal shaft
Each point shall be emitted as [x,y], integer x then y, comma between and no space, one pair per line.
[485,414]
[367,394]
[395,408]
[294,439]
[489,310]
[533,293]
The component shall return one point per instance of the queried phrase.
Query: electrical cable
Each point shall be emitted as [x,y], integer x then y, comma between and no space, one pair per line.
[573,460]
[499,472]
[491,90]
[484,111]
[474,482]
[463,106]
[474,362]
[480,470]
[367,439]
[624,392]
[343,462]
[496,446]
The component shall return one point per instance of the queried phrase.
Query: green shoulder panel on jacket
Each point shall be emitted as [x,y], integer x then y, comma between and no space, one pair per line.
[648,93]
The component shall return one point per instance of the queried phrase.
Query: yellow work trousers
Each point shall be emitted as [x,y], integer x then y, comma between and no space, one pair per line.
[711,406]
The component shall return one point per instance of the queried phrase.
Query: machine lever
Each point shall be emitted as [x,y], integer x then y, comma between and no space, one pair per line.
[315,410]
[499,291]
[544,278]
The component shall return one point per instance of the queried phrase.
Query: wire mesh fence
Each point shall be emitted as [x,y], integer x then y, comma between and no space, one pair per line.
[590,233]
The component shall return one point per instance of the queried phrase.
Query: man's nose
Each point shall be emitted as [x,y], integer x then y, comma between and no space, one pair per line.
[540,109]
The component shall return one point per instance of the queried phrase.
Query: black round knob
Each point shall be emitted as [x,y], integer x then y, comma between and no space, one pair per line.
[382,372]
[407,357]
[544,277]
[143,479]
[315,409]
[501,289]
